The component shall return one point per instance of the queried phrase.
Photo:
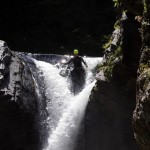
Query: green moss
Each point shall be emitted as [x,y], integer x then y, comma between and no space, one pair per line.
[108,66]
[107,40]
[108,71]
[143,67]
[117,3]
[117,24]
[145,7]
[118,52]
[107,45]
[146,75]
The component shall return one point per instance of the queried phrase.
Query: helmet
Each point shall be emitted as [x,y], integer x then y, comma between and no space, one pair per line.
[75,52]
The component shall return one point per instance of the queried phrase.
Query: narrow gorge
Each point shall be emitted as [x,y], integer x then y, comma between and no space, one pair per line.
[39,110]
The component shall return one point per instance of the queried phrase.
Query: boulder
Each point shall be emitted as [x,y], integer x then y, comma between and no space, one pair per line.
[19,102]
[108,119]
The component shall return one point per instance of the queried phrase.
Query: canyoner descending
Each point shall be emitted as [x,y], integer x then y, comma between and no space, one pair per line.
[66,110]
[78,73]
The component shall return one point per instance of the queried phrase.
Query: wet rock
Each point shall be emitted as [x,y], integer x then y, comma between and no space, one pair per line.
[116,37]
[142,112]
[108,119]
[141,119]
[19,127]
[131,41]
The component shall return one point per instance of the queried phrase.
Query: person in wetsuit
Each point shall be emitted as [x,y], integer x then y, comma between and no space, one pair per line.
[78,72]
[77,60]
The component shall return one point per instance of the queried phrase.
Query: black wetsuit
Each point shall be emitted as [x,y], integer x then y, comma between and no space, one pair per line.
[77,62]
[77,74]
[78,70]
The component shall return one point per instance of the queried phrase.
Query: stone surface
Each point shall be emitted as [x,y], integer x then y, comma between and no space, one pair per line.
[141,116]
[131,41]
[135,56]
[141,119]
[108,119]
[20,127]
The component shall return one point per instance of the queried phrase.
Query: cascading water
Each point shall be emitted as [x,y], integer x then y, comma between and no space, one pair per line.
[65,110]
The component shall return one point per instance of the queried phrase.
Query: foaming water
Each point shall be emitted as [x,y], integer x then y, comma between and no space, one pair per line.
[58,95]
[65,110]
[64,135]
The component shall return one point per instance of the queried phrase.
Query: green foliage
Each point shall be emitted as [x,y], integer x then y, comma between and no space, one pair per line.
[145,7]
[117,3]
[105,41]
[118,52]
[117,24]
[107,69]
[146,76]
[108,66]
[106,45]
[143,67]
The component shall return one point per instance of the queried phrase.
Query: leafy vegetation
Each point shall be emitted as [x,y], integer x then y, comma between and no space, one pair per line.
[143,67]
[116,3]
[110,62]
[117,24]
[106,45]
[145,7]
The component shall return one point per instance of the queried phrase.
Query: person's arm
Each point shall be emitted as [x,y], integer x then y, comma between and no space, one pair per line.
[84,62]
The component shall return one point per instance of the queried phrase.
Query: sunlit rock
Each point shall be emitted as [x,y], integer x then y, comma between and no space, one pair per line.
[5,59]
[19,127]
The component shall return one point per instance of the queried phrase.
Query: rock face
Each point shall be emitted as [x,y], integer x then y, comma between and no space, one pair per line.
[131,41]
[5,57]
[19,127]
[141,117]
[135,54]
[132,70]
[108,120]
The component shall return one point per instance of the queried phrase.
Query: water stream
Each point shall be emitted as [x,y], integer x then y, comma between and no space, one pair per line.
[66,111]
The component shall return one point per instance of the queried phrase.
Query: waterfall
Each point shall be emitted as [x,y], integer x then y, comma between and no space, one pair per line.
[66,111]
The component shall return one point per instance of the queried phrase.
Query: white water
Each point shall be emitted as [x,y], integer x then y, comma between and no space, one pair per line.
[66,111]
